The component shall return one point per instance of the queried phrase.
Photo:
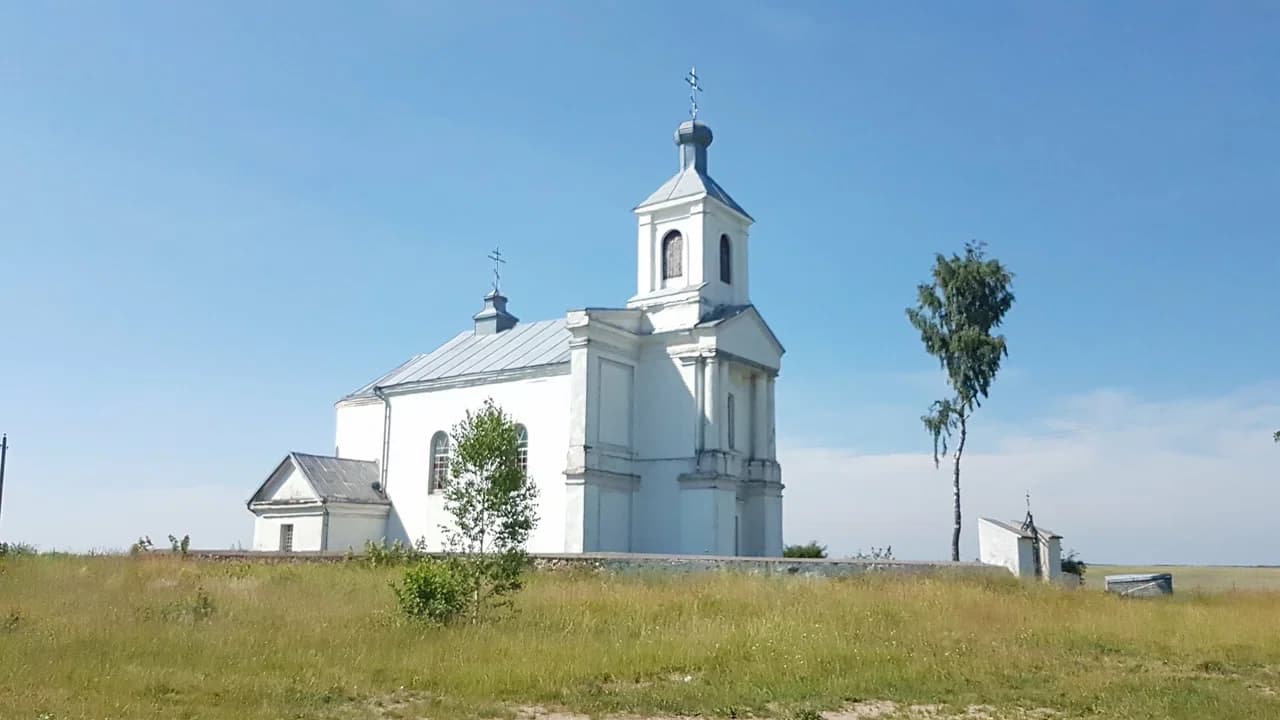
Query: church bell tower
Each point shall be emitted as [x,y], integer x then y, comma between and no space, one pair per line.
[692,245]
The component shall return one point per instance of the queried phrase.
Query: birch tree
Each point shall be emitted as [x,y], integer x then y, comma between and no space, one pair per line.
[492,502]
[956,312]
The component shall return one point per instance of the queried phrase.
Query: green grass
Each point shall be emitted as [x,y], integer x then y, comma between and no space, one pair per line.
[1195,578]
[166,638]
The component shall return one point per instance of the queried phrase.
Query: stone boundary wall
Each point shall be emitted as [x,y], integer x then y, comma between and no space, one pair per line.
[629,562]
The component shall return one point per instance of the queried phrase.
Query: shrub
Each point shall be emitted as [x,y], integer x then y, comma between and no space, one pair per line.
[432,590]
[177,545]
[143,545]
[875,554]
[197,608]
[180,546]
[810,550]
[1073,564]
[16,549]
[384,554]
[200,607]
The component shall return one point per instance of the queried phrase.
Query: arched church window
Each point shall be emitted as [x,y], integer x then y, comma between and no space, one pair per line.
[672,255]
[440,458]
[522,448]
[726,260]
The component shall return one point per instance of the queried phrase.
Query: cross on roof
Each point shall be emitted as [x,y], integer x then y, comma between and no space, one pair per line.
[694,88]
[496,257]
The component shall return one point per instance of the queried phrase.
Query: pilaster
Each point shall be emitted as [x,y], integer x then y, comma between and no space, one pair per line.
[771,450]
[760,420]
[700,396]
[714,403]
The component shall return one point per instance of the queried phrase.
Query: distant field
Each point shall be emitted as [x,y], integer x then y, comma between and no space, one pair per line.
[1190,577]
[118,637]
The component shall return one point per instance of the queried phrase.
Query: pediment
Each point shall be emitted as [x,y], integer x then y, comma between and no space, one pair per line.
[744,333]
[286,485]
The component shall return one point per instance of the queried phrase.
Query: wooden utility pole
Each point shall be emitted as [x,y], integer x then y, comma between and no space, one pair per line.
[4,451]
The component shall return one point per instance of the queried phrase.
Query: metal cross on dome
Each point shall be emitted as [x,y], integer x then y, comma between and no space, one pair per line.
[496,257]
[694,88]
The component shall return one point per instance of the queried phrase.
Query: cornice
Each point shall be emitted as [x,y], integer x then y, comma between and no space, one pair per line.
[708,481]
[692,355]
[603,478]
[277,507]
[487,378]
[667,297]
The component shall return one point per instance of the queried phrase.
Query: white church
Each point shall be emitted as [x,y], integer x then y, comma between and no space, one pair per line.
[648,428]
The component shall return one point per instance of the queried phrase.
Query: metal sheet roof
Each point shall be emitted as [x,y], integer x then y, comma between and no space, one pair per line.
[333,479]
[1016,528]
[690,182]
[341,479]
[1139,577]
[526,345]
[721,314]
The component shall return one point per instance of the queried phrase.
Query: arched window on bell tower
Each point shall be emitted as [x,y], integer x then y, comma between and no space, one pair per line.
[726,260]
[672,255]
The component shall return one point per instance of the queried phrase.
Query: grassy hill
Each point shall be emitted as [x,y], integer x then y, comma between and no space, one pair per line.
[116,637]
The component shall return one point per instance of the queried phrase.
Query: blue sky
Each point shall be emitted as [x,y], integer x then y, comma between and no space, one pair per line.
[216,220]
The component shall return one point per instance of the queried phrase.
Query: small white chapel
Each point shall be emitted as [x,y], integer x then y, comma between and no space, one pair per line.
[648,428]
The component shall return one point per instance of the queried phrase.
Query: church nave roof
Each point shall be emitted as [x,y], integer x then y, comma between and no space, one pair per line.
[526,345]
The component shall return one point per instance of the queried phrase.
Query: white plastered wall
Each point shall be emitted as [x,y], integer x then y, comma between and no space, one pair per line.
[998,546]
[1051,552]
[358,432]
[539,403]
[603,438]
[352,525]
[308,529]
[667,423]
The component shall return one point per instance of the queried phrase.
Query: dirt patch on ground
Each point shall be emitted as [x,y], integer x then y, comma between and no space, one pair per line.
[417,706]
[533,712]
[399,704]
[873,709]
[865,710]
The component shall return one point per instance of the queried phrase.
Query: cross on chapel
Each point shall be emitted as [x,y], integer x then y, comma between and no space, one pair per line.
[496,257]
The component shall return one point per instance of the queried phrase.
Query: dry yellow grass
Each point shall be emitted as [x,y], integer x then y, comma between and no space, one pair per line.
[1192,578]
[128,638]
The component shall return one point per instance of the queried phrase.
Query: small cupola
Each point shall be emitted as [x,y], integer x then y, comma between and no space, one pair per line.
[494,318]
[693,138]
